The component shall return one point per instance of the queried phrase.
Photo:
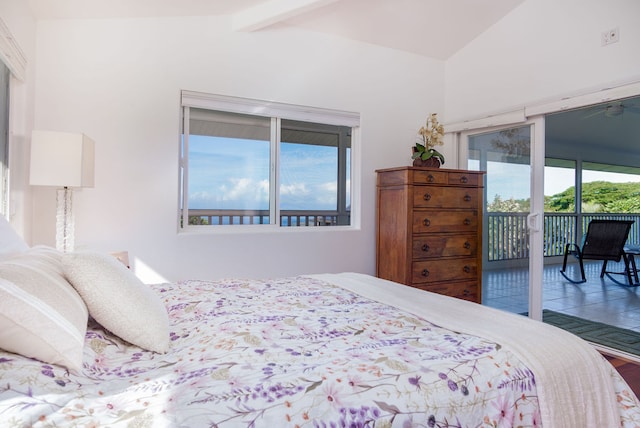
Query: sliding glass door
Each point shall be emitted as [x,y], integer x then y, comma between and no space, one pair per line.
[511,218]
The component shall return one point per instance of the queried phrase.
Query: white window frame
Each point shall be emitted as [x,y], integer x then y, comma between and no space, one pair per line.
[4,140]
[276,111]
[16,61]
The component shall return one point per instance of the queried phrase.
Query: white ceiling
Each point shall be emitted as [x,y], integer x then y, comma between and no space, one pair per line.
[433,28]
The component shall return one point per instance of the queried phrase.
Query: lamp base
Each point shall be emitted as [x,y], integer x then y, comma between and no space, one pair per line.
[64,221]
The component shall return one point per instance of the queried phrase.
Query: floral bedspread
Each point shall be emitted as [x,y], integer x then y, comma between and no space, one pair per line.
[290,352]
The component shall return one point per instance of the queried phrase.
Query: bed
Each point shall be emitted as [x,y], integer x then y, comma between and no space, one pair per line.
[327,350]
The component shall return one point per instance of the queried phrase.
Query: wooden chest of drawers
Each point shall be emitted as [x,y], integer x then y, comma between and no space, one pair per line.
[429,229]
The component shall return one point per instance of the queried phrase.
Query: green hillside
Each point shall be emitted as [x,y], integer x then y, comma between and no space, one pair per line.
[597,197]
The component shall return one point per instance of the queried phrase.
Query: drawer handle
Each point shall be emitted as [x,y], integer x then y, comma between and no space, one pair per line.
[467,222]
[467,198]
[466,269]
[464,179]
[467,245]
[427,197]
[426,222]
[430,178]
[466,292]
[425,248]
[425,272]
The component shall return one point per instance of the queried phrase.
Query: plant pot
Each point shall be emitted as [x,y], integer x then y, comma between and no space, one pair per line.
[432,162]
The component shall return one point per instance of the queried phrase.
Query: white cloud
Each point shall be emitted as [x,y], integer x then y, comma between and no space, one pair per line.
[295,189]
[247,193]
[331,187]
[242,189]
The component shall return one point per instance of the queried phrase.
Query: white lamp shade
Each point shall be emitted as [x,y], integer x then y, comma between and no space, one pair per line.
[61,159]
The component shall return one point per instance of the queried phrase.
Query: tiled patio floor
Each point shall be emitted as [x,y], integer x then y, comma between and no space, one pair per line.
[598,299]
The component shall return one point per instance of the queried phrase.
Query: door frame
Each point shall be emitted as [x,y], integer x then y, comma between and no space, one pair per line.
[536,211]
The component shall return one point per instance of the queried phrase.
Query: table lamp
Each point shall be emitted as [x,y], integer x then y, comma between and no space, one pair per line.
[64,160]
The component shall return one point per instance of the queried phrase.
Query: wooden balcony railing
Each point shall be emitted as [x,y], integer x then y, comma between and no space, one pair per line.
[287,217]
[508,236]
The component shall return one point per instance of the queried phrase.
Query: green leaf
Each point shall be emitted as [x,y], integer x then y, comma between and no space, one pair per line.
[437,154]
[313,386]
[387,407]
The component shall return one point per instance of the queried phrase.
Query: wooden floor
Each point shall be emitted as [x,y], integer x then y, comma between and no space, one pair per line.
[629,370]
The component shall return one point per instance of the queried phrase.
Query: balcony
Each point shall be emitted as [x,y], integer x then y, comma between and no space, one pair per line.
[505,283]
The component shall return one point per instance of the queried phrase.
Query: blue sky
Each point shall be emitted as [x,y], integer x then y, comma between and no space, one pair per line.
[234,174]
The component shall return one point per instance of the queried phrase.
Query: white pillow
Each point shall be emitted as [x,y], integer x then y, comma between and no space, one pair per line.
[10,242]
[41,315]
[118,300]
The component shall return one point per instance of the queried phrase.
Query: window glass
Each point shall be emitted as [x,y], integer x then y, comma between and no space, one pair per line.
[505,156]
[311,190]
[559,185]
[228,168]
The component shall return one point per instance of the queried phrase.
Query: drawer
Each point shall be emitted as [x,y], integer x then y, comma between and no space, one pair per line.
[427,221]
[444,246]
[444,270]
[430,177]
[467,290]
[445,197]
[464,179]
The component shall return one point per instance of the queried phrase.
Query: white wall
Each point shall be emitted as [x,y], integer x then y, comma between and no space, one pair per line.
[542,50]
[119,81]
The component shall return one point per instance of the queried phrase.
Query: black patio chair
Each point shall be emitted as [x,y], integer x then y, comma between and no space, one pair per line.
[604,241]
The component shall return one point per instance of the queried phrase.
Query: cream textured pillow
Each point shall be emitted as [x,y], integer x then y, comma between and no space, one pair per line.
[41,315]
[118,300]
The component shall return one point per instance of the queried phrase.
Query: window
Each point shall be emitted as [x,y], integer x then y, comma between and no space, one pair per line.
[248,162]
[13,64]
[5,78]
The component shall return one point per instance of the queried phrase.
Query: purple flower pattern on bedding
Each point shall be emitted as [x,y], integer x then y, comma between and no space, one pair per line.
[294,352]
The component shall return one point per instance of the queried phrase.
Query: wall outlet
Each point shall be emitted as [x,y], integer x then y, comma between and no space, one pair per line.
[610,36]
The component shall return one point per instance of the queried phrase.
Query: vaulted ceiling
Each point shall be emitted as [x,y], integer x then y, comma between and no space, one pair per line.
[433,28]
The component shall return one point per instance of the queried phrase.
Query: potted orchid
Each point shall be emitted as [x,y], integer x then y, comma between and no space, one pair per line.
[430,135]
